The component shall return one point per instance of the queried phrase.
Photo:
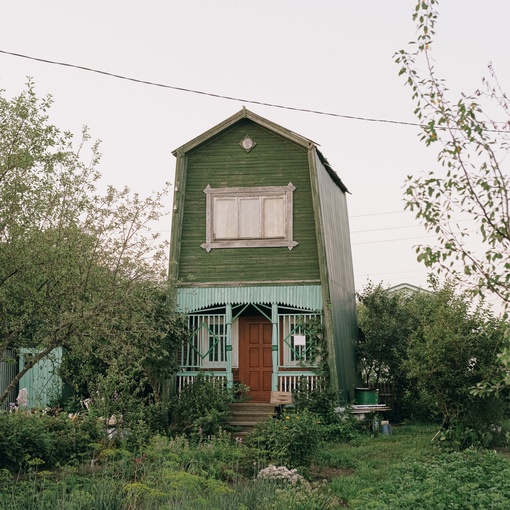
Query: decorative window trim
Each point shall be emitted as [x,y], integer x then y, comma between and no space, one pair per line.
[286,192]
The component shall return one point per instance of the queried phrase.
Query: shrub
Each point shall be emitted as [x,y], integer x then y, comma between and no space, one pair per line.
[33,439]
[218,456]
[322,401]
[202,408]
[291,440]
[306,496]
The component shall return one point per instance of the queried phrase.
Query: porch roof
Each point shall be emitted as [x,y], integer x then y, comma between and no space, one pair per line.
[308,297]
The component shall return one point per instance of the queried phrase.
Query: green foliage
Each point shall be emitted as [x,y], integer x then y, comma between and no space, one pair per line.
[459,480]
[443,344]
[44,491]
[79,269]
[471,182]
[305,496]
[322,401]
[385,326]
[201,408]
[290,440]
[453,349]
[398,471]
[31,440]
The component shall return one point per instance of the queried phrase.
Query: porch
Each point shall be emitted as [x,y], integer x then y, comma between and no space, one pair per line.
[265,346]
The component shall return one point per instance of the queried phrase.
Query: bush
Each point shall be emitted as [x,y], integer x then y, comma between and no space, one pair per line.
[322,401]
[202,408]
[290,440]
[28,440]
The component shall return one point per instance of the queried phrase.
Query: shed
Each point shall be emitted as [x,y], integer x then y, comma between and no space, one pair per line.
[260,247]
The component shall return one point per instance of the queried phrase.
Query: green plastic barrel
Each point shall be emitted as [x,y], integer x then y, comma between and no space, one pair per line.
[366,396]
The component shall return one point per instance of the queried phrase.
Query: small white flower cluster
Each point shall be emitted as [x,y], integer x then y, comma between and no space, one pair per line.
[280,473]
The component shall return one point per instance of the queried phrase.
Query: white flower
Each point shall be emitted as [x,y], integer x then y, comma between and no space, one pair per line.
[280,473]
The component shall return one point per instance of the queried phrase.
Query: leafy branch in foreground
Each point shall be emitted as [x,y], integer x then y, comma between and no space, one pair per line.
[466,202]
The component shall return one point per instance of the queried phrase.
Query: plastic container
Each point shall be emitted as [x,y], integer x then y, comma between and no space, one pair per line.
[366,396]
[385,428]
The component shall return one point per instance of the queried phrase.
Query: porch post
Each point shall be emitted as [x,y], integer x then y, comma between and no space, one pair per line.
[275,342]
[228,346]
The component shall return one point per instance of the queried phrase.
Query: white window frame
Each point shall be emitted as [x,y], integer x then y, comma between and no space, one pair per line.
[260,192]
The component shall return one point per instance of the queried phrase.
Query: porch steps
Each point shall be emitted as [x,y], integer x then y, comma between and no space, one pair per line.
[247,415]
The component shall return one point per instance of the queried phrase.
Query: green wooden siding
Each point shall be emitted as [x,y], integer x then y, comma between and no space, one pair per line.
[42,381]
[337,251]
[221,162]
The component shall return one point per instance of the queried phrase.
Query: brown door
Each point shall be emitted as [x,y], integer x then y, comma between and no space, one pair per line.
[255,357]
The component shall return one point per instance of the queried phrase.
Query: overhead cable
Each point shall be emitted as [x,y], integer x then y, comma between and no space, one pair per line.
[204,93]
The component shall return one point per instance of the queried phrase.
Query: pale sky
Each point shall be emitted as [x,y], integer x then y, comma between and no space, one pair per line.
[329,55]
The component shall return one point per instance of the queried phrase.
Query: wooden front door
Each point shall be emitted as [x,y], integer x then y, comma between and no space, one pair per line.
[255,357]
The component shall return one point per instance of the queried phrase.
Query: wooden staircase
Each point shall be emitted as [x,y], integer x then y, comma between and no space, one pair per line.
[247,415]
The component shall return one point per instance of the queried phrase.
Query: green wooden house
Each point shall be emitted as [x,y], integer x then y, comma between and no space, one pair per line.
[260,245]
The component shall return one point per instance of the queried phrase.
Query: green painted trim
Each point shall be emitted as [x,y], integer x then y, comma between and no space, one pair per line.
[299,373]
[307,297]
[196,373]
[275,340]
[228,347]
[176,229]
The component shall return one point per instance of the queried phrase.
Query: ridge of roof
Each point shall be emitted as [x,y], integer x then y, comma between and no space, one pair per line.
[244,113]
[334,176]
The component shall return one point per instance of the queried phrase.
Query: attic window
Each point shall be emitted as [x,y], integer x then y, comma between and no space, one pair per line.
[247,143]
[249,217]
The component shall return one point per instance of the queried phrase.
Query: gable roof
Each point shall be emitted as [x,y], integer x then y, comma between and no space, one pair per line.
[276,128]
[243,114]
[406,288]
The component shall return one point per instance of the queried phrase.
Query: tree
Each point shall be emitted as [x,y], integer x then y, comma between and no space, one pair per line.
[78,269]
[473,182]
[453,348]
[436,346]
[385,326]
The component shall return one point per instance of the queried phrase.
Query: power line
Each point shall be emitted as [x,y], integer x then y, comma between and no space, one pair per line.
[204,93]
[392,240]
[385,228]
[222,96]
[375,214]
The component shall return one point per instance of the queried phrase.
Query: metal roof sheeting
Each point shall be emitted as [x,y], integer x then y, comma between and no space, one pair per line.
[308,297]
